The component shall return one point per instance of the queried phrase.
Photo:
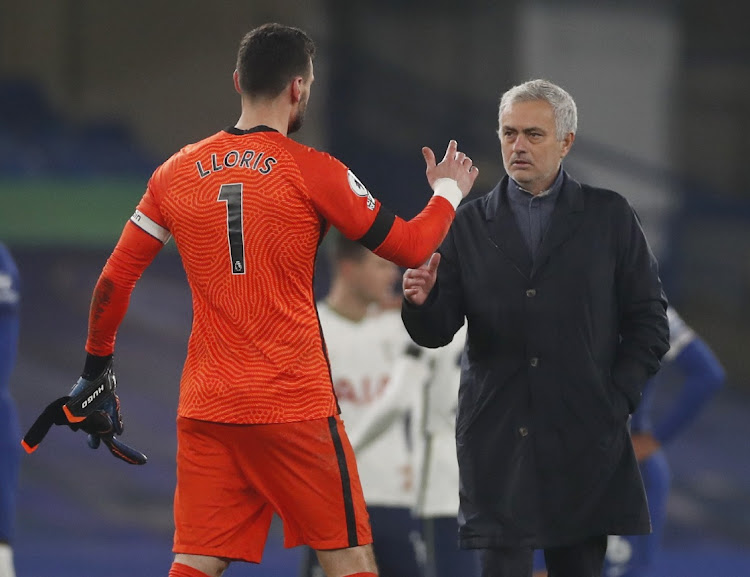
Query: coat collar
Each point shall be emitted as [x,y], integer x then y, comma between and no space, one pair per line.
[503,228]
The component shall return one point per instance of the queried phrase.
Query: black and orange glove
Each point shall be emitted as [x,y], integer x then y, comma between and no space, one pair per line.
[93,407]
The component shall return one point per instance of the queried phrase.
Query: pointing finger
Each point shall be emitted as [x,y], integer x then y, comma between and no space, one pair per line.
[432,265]
[450,152]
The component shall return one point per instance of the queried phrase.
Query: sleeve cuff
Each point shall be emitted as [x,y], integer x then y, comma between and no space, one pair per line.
[95,366]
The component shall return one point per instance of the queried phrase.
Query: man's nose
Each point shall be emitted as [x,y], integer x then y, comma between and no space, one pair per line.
[520,143]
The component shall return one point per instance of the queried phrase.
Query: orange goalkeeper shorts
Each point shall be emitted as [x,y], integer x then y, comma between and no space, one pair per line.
[232,478]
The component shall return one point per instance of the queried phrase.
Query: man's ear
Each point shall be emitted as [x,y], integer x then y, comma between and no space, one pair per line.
[567,143]
[236,78]
[296,89]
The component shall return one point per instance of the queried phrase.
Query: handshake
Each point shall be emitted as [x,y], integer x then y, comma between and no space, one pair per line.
[92,406]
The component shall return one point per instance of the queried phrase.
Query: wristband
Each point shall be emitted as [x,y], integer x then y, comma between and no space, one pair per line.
[449,190]
[95,366]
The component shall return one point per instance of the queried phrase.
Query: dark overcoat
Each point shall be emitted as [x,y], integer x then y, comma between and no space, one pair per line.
[557,353]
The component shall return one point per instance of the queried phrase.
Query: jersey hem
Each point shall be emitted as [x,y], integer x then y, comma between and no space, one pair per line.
[192,417]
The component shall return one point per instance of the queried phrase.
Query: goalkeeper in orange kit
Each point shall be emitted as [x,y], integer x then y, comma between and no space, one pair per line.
[258,425]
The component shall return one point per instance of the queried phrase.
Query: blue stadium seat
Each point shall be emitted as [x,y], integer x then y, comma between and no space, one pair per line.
[35,141]
[23,106]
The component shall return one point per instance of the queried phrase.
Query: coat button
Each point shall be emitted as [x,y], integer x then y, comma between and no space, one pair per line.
[524,431]
[531,293]
[533,361]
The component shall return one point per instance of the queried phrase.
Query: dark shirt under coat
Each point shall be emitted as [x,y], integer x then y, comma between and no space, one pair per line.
[557,353]
[533,212]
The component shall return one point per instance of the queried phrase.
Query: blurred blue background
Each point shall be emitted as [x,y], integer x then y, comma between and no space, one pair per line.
[94,95]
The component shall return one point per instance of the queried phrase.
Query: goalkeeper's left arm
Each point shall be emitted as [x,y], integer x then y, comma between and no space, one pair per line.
[93,405]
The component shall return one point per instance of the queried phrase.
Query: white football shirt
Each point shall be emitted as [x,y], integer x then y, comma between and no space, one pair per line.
[362,356]
[436,375]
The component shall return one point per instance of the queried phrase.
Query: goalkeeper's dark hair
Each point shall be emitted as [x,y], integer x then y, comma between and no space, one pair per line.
[341,248]
[270,56]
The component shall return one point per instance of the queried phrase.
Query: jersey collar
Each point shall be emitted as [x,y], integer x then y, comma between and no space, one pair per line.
[259,128]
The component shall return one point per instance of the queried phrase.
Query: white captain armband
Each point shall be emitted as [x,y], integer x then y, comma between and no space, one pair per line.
[449,190]
[149,226]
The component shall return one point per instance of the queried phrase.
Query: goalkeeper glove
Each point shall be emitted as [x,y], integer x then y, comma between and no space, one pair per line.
[92,406]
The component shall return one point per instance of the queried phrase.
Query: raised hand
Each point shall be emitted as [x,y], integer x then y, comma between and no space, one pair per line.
[455,165]
[418,282]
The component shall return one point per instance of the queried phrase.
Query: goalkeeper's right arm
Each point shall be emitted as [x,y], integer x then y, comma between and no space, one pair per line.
[92,406]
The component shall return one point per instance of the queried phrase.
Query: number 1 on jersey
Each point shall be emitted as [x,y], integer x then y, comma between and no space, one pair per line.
[232,195]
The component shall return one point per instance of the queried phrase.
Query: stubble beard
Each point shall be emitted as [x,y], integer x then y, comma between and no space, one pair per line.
[296,123]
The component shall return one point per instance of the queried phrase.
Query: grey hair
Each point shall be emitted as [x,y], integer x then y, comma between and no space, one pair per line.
[562,103]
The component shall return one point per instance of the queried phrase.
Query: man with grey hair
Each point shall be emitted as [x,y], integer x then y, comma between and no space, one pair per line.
[566,322]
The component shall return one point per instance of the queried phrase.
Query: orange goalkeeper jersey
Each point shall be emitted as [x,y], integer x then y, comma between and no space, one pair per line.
[248,210]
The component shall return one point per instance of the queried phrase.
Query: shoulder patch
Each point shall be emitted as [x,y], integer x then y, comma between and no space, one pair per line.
[359,189]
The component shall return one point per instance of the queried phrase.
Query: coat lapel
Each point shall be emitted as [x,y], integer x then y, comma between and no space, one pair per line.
[503,229]
[566,218]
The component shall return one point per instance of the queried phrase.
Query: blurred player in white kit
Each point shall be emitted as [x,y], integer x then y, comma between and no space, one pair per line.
[425,385]
[363,342]
[433,376]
